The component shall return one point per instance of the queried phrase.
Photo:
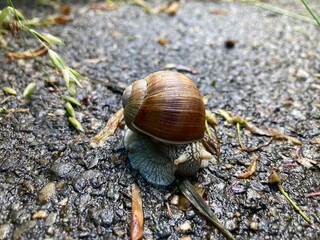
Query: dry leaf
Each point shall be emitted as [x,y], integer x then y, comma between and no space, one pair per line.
[212,143]
[172,8]
[104,6]
[136,225]
[184,204]
[251,169]
[278,135]
[162,41]
[39,51]
[180,68]
[95,60]
[218,12]
[15,110]
[39,214]
[58,19]
[308,163]
[65,9]
[108,130]
[256,130]
[316,141]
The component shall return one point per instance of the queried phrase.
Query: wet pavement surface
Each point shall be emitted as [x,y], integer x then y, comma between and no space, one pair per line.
[54,186]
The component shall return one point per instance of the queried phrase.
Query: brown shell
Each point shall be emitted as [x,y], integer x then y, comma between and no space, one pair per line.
[172,109]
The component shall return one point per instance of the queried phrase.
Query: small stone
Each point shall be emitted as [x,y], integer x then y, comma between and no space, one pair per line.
[50,230]
[302,74]
[127,204]
[68,238]
[230,214]
[232,225]
[254,226]
[298,115]
[190,214]
[40,214]
[47,192]
[252,194]
[162,231]
[5,231]
[31,139]
[229,166]
[273,212]
[80,184]
[84,235]
[20,216]
[174,200]
[17,233]
[186,238]
[62,169]
[106,217]
[50,219]
[59,112]
[185,227]
[118,231]
[60,185]
[63,202]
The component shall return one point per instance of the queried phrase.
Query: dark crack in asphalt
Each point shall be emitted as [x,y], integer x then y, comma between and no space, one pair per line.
[54,186]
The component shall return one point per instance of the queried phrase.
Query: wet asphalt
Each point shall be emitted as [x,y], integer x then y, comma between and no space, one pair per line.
[253,62]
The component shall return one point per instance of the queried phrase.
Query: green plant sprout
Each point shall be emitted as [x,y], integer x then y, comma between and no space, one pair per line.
[13,17]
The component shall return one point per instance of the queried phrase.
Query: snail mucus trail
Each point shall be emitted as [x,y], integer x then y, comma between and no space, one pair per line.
[165,115]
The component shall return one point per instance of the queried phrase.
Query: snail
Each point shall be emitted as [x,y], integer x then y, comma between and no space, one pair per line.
[165,115]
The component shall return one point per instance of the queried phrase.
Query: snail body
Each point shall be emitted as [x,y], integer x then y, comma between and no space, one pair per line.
[165,115]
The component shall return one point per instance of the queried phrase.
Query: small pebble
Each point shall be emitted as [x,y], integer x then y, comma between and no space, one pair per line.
[118,231]
[252,194]
[230,215]
[50,219]
[40,214]
[62,169]
[5,230]
[59,112]
[186,238]
[273,212]
[190,214]
[254,226]
[21,229]
[50,230]
[229,166]
[63,202]
[185,227]
[232,225]
[47,192]
[237,214]
[174,200]
[106,217]
[301,73]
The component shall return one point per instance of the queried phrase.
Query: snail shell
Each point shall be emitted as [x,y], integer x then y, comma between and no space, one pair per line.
[167,106]
[165,115]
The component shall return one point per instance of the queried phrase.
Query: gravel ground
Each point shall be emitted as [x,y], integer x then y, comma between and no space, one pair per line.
[54,186]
